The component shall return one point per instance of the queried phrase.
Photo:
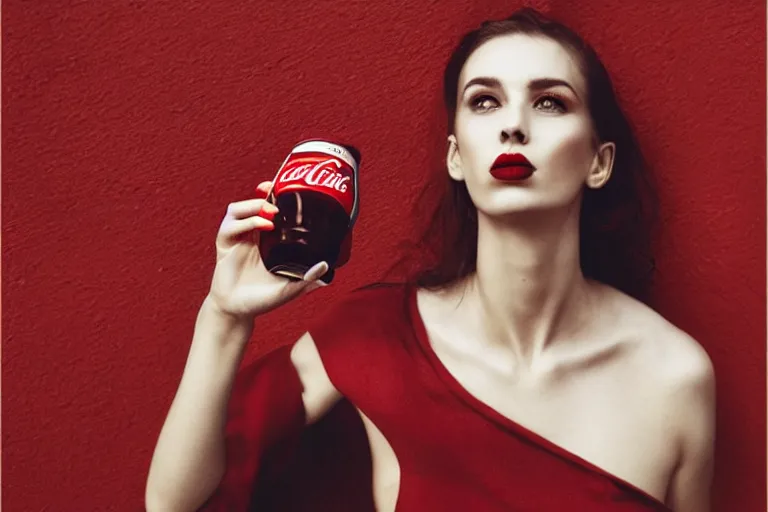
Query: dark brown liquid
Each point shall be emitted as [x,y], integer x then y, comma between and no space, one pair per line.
[309,228]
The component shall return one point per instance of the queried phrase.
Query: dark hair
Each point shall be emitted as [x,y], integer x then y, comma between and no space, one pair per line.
[616,220]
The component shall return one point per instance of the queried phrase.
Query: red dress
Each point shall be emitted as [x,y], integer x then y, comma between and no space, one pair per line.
[455,452]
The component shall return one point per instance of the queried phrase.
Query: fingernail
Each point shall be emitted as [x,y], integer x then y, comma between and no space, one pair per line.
[266,214]
[316,271]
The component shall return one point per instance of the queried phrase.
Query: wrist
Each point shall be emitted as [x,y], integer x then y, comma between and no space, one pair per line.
[224,323]
[214,311]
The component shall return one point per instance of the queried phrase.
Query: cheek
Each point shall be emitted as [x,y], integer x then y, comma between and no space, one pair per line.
[570,150]
[476,139]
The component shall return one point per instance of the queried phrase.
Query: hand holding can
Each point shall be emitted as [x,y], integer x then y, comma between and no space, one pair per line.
[317,197]
[241,286]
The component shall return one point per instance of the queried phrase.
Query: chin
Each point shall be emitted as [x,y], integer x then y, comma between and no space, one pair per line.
[512,211]
[502,199]
[519,202]
[510,199]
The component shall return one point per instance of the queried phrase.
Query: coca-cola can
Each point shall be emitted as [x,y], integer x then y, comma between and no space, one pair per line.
[316,191]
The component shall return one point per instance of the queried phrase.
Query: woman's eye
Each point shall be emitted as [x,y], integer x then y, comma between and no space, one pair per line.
[483,103]
[550,104]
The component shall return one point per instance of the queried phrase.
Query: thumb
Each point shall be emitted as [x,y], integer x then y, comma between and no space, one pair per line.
[311,280]
[316,272]
[315,285]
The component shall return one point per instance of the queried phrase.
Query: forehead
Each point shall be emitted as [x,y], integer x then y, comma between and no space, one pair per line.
[516,59]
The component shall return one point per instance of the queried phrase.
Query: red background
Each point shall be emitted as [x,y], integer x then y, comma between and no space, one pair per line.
[129,126]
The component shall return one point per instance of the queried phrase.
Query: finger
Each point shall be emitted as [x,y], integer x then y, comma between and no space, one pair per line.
[316,285]
[296,288]
[249,208]
[316,272]
[264,187]
[234,228]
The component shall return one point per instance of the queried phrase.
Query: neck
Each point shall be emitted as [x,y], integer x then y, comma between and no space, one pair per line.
[528,289]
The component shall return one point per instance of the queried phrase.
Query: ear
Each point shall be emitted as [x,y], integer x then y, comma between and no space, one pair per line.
[602,165]
[453,160]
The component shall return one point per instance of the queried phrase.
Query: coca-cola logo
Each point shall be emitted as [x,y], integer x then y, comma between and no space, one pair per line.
[324,173]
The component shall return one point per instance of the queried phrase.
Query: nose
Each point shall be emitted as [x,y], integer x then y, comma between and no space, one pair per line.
[516,135]
[515,130]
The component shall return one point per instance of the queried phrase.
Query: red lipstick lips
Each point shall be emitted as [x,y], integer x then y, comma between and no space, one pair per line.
[512,167]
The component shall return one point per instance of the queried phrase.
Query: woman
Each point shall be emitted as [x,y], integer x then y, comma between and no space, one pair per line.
[511,375]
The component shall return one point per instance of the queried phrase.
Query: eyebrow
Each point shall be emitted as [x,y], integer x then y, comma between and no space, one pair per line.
[537,84]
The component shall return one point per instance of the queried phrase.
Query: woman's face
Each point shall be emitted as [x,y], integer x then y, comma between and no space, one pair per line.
[525,95]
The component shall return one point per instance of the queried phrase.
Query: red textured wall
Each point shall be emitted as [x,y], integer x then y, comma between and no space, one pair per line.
[128,126]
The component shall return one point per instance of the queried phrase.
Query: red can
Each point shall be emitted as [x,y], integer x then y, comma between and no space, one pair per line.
[316,191]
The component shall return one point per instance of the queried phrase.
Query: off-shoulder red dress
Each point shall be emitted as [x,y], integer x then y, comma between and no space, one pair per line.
[455,452]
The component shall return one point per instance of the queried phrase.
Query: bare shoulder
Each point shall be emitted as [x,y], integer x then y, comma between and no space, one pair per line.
[677,371]
[677,360]
[681,378]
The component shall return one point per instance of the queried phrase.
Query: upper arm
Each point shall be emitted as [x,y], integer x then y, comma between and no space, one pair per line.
[319,394]
[695,414]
